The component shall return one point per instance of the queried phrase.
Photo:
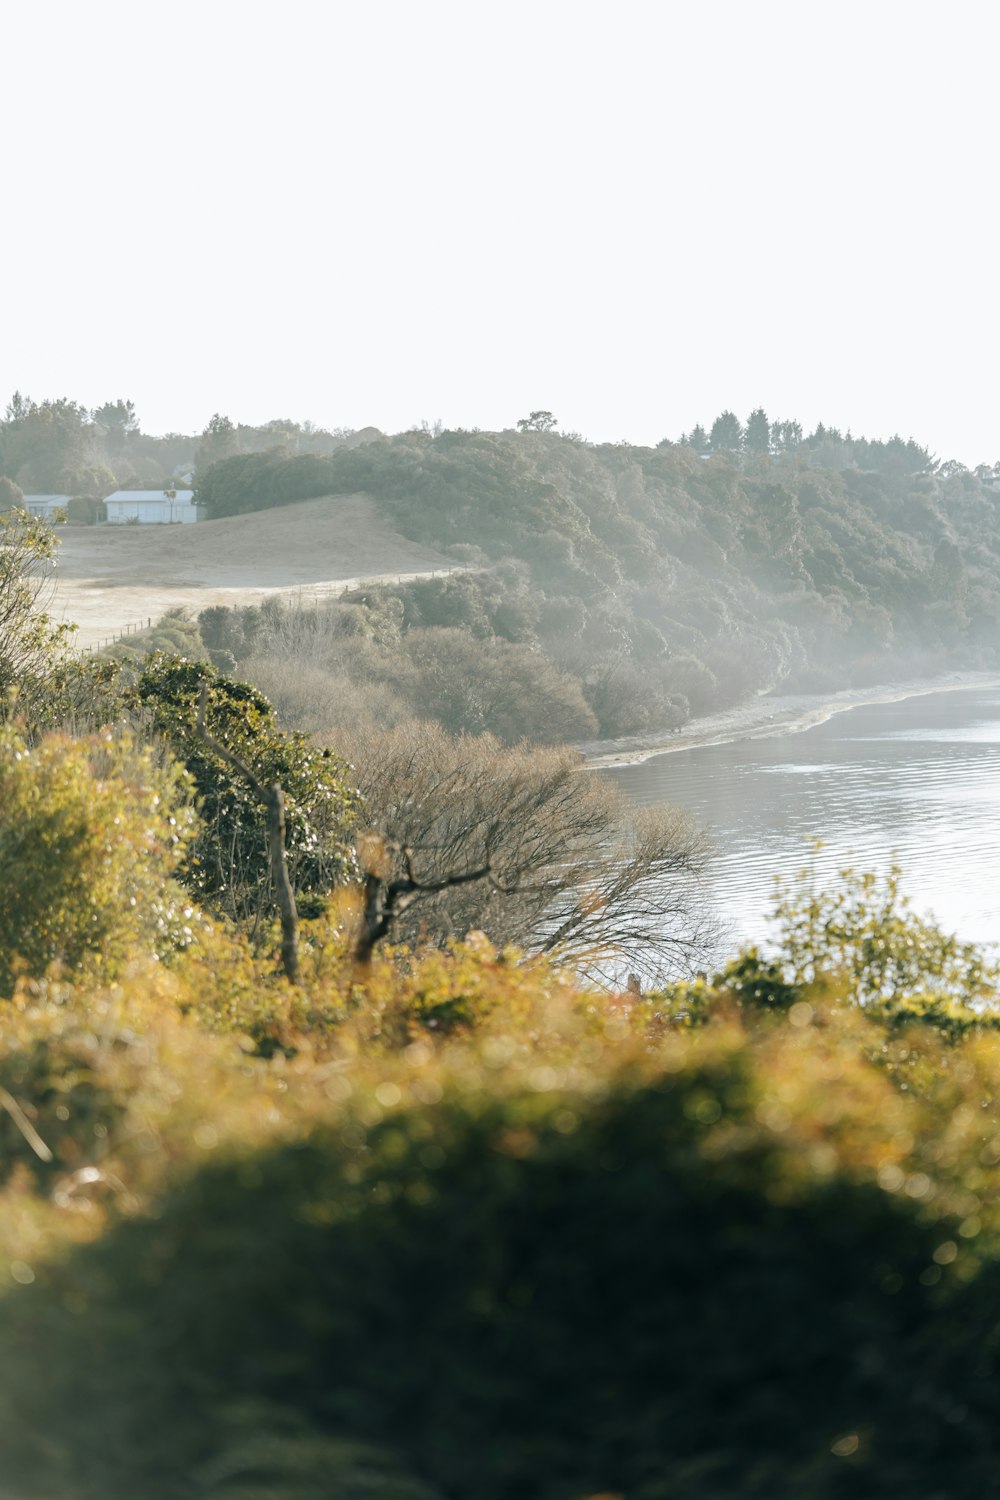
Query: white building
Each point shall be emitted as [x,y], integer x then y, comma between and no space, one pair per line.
[164,506]
[44,505]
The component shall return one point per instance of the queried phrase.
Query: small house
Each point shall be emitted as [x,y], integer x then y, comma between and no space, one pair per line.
[164,507]
[44,506]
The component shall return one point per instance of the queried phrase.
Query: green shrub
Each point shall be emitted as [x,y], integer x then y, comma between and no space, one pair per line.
[228,862]
[91,834]
[86,510]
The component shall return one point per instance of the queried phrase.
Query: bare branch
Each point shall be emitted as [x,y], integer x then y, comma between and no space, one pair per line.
[566,865]
[386,900]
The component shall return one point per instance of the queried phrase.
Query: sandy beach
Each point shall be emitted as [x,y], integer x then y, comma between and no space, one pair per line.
[771,714]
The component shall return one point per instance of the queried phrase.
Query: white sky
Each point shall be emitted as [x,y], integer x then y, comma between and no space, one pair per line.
[633,214]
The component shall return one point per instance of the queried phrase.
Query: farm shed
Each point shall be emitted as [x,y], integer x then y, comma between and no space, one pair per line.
[151,506]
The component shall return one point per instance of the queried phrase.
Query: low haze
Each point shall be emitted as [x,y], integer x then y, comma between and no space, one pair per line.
[385,213]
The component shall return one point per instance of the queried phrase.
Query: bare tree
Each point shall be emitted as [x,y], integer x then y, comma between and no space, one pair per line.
[566,864]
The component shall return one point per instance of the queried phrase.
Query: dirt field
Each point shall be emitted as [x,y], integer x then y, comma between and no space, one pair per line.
[110,577]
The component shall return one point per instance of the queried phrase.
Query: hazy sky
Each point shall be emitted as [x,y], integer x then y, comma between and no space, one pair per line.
[634,214]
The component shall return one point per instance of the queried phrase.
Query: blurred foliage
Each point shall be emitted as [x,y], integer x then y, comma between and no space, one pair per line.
[740,1261]
[864,933]
[91,836]
[464,1228]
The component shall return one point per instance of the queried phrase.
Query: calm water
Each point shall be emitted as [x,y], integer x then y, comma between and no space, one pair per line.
[917,781]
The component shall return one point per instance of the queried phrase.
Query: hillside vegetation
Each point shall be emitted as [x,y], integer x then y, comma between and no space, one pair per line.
[660,583]
[439,1218]
[59,446]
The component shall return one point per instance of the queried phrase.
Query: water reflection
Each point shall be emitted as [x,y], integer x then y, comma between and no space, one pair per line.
[918,781]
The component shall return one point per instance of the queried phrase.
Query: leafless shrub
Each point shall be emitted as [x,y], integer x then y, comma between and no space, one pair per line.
[317,699]
[574,868]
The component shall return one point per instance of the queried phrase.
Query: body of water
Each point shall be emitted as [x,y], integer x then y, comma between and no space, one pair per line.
[915,782]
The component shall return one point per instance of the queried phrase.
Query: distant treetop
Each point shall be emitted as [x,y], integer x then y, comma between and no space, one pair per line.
[826,447]
[537,421]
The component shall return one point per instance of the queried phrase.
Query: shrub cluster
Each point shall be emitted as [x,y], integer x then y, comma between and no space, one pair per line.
[467,1229]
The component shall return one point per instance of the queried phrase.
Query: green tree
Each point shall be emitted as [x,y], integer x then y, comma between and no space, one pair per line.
[17,408]
[862,938]
[117,421]
[49,445]
[757,438]
[219,440]
[948,577]
[495,687]
[786,436]
[86,510]
[726,433]
[537,421]
[228,862]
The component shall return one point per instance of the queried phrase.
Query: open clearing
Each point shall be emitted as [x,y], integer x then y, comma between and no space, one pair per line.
[111,577]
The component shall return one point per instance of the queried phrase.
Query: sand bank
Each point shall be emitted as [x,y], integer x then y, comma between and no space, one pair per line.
[771,714]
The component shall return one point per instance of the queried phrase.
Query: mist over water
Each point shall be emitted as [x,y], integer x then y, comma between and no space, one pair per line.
[917,782]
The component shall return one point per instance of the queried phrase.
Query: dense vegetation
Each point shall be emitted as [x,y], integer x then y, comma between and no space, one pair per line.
[59,447]
[545,856]
[651,584]
[627,587]
[452,1221]
[475,1231]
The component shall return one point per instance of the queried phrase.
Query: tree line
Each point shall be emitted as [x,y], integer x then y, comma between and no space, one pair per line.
[826,446]
[58,446]
[644,585]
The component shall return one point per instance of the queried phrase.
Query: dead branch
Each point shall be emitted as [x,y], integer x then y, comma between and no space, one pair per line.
[385,900]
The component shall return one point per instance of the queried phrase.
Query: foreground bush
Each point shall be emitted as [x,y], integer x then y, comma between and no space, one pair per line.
[91,835]
[450,1226]
[559,1262]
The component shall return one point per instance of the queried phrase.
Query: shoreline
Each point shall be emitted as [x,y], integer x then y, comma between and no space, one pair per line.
[769,715]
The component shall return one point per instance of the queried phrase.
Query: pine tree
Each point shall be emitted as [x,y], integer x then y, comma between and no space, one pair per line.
[726,433]
[757,438]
